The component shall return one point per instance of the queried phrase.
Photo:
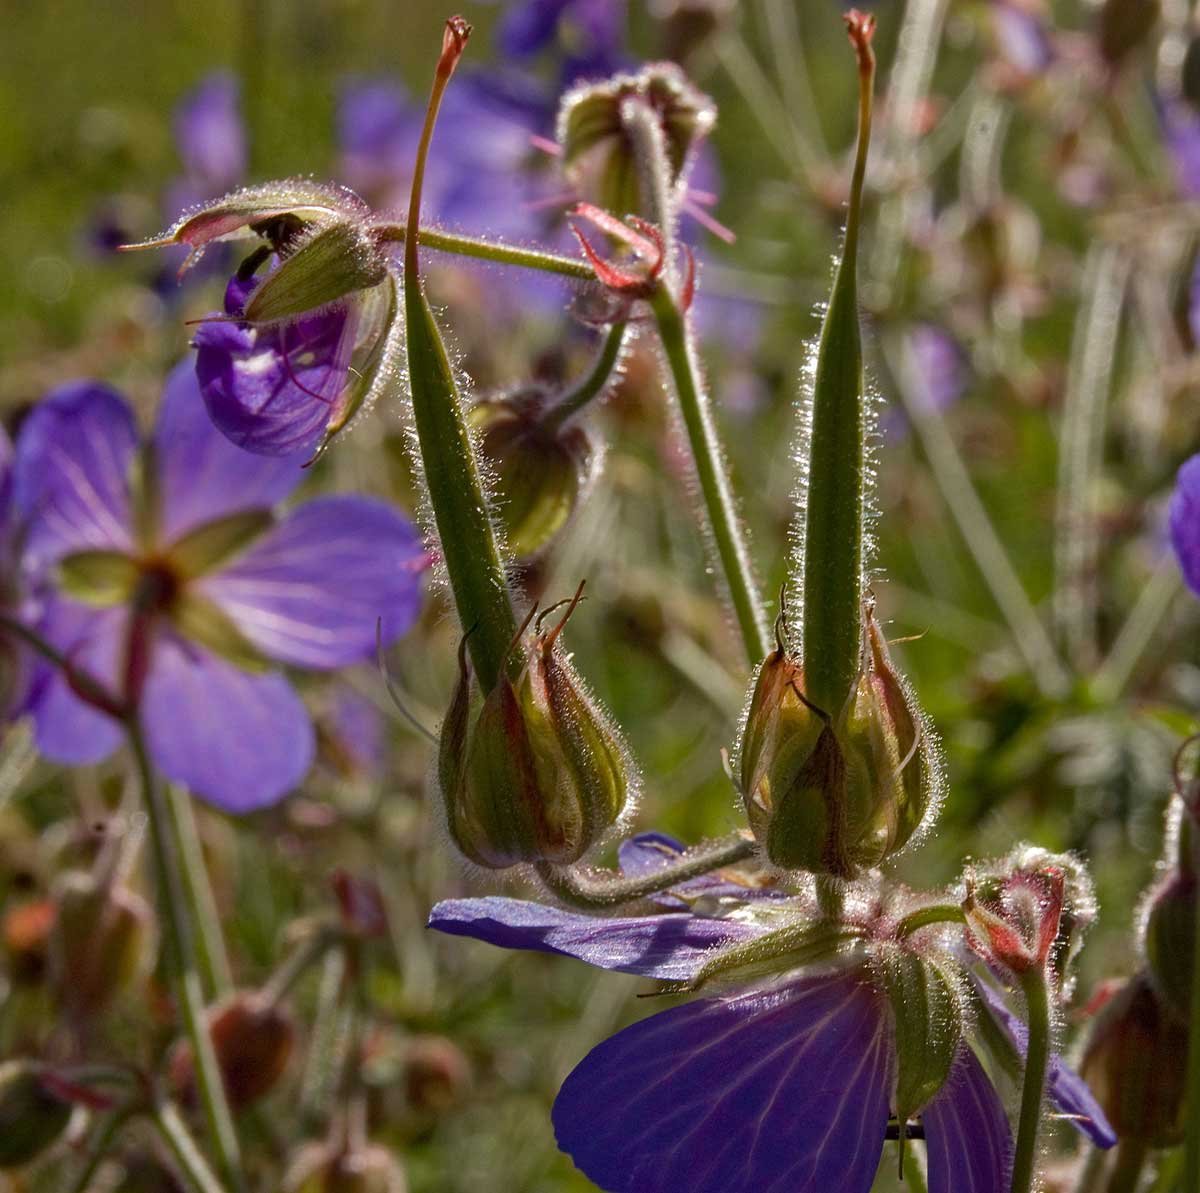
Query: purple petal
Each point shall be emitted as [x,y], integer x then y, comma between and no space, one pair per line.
[1064,1087]
[201,475]
[71,473]
[1181,132]
[209,133]
[271,390]
[356,729]
[529,26]
[1022,38]
[653,946]
[6,480]
[784,1091]
[647,852]
[310,591]
[967,1136]
[67,730]
[239,741]
[1184,519]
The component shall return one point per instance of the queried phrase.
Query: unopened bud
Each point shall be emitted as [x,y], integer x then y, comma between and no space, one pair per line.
[1170,941]
[1133,1065]
[836,796]
[541,469]
[103,940]
[603,152]
[541,774]
[252,1038]
[320,1168]
[32,1116]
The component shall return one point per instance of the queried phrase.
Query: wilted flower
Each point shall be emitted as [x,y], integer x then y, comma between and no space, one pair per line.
[539,774]
[165,573]
[786,1079]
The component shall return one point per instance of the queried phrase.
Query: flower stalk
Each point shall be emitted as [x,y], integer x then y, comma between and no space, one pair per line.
[596,383]
[1036,988]
[1191,1147]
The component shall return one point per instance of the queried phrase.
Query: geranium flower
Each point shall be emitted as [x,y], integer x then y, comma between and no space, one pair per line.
[164,572]
[783,1084]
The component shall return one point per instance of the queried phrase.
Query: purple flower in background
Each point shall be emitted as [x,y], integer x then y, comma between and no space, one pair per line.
[1184,518]
[1181,132]
[271,389]
[1022,36]
[163,571]
[590,33]
[785,1085]
[210,136]
[15,661]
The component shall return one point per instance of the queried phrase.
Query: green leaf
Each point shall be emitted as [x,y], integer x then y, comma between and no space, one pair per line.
[99,578]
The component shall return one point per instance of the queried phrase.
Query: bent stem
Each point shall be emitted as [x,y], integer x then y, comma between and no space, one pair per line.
[604,889]
[602,373]
[1037,1058]
[179,918]
[727,531]
[923,917]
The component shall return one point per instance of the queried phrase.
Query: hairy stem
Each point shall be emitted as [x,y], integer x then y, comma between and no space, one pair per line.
[173,1129]
[1191,1147]
[599,889]
[1037,1058]
[178,917]
[923,917]
[594,384]
[728,533]
[487,250]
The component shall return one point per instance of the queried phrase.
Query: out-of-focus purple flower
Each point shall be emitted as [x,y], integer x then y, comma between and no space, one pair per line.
[589,33]
[271,389]
[939,375]
[1022,36]
[209,133]
[785,1084]
[1181,131]
[164,572]
[351,735]
[1184,518]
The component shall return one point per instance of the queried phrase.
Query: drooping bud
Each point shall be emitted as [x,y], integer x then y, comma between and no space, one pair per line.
[252,1038]
[541,774]
[32,1115]
[602,128]
[540,469]
[102,941]
[836,796]
[366,1168]
[1133,1065]
[1170,940]
[927,1009]
[1014,911]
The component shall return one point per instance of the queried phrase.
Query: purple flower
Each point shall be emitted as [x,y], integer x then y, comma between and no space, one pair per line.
[1184,518]
[1181,132]
[164,571]
[272,389]
[785,1085]
[594,31]
[1022,36]
[209,134]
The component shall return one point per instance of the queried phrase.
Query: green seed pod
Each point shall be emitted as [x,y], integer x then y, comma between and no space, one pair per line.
[103,940]
[601,126]
[541,468]
[927,1008]
[252,1038]
[541,774]
[31,1117]
[320,1168]
[1123,25]
[1133,1064]
[1170,941]
[836,797]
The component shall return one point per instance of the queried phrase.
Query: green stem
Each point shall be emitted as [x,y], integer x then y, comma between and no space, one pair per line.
[912,1175]
[605,890]
[465,530]
[173,1129]
[487,250]
[178,919]
[1092,1170]
[210,953]
[923,917]
[1153,605]
[1037,1058]
[1191,1146]
[594,384]
[101,1145]
[832,562]
[727,531]
[300,961]
[321,1066]
[1127,1172]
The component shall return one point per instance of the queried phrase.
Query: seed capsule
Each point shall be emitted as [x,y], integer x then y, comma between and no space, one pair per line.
[31,1117]
[541,774]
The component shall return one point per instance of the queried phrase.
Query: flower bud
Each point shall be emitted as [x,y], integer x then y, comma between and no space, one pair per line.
[600,130]
[1170,941]
[541,774]
[320,1168]
[1013,916]
[836,796]
[252,1038]
[102,941]
[1133,1064]
[32,1116]
[541,468]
